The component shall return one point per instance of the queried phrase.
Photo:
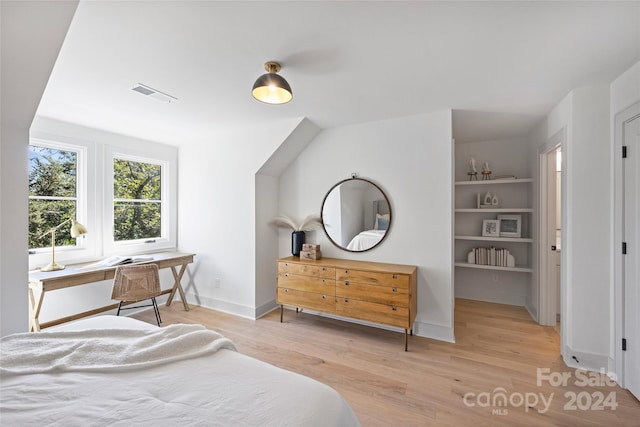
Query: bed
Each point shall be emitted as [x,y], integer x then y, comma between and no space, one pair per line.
[112,370]
[378,224]
[365,240]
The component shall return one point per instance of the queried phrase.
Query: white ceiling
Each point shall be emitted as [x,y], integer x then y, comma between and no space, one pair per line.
[504,65]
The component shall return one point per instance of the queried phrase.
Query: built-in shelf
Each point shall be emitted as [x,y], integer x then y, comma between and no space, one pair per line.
[495,239]
[495,181]
[520,269]
[498,210]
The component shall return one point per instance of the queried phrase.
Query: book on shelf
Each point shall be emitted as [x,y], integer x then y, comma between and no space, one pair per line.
[116,260]
[498,257]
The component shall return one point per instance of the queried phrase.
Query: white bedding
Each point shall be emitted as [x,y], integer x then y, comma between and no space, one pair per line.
[365,240]
[159,379]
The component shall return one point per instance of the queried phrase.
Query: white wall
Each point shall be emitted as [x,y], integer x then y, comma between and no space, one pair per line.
[411,159]
[584,117]
[223,205]
[32,34]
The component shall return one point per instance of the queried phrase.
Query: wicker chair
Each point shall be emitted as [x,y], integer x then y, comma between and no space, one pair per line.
[133,283]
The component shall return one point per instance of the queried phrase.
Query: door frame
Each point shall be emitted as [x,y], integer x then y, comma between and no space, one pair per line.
[547,311]
[618,312]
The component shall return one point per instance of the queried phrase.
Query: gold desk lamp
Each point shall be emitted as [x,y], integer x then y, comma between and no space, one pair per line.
[76,230]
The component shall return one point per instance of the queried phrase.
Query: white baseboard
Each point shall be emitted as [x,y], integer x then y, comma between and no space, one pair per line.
[588,361]
[436,332]
[422,329]
[220,305]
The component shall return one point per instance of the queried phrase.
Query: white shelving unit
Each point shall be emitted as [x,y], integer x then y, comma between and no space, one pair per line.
[515,197]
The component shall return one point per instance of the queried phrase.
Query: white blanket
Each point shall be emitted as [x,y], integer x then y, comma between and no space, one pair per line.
[129,382]
[106,349]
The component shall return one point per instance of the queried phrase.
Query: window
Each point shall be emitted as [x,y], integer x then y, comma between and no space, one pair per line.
[141,194]
[137,202]
[55,194]
[125,194]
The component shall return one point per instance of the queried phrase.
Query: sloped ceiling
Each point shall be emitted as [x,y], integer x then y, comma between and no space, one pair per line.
[504,65]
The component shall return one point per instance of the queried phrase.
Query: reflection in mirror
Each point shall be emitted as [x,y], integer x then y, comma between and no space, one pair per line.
[356,215]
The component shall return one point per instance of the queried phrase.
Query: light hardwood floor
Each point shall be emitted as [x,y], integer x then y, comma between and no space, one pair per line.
[498,350]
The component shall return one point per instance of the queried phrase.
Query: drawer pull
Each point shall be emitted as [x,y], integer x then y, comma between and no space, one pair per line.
[346,283]
[324,268]
[286,274]
[394,308]
[286,290]
[395,276]
[346,272]
[286,264]
[324,297]
[324,281]
[395,289]
[346,300]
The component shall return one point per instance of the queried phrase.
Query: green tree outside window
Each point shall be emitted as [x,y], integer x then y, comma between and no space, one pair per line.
[52,194]
[137,200]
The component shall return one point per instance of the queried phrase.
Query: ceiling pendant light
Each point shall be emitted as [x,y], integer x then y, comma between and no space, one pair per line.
[271,88]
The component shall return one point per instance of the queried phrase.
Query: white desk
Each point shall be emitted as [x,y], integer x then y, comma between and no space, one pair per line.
[76,275]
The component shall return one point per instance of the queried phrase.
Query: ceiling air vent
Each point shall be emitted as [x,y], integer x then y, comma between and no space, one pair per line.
[154,94]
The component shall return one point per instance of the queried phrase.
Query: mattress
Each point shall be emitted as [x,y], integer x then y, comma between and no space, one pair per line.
[209,387]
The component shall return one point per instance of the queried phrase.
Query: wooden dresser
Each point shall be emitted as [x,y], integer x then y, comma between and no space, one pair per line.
[371,291]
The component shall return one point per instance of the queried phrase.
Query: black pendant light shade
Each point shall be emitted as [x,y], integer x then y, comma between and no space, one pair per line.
[271,88]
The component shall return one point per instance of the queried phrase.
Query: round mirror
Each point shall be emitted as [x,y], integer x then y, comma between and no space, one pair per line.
[356,215]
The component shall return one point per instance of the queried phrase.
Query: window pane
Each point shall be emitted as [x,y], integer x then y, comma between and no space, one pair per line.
[136,180]
[46,214]
[136,220]
[52,172]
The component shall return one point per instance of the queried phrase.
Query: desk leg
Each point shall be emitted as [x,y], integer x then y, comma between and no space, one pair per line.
[34,307]
[177,277]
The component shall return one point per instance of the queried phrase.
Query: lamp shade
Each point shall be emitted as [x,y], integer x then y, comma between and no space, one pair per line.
[271,88]
[77,229]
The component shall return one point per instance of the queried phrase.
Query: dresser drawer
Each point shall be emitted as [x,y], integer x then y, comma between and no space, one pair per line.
[313,301]
[388,279]
[380,313]
[389,295]
[307,270]
[307,283]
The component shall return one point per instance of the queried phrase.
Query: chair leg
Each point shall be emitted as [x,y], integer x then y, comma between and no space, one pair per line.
[119,307]
[155,308]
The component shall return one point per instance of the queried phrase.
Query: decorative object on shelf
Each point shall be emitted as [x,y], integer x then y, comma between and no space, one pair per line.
[76,230]
[486,172]
[489,201]
[510,225]
[473,172]
[491,228]
[310,251]
[311,222]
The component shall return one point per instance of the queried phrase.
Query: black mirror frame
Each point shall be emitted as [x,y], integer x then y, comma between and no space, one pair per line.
[381,192]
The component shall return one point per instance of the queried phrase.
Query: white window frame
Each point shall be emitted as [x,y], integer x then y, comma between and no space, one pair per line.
[95,196]
[85,248]
[165,157]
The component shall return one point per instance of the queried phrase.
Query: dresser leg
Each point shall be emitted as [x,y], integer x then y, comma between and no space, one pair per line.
[281,311]
[406,340]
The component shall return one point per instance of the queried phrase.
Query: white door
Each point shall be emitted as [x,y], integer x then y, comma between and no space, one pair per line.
[631,267]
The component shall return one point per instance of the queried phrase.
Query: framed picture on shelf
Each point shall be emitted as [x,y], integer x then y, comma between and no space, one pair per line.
[510,225]
[490,228]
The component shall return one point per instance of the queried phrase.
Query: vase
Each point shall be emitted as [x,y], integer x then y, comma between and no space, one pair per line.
[297,239]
